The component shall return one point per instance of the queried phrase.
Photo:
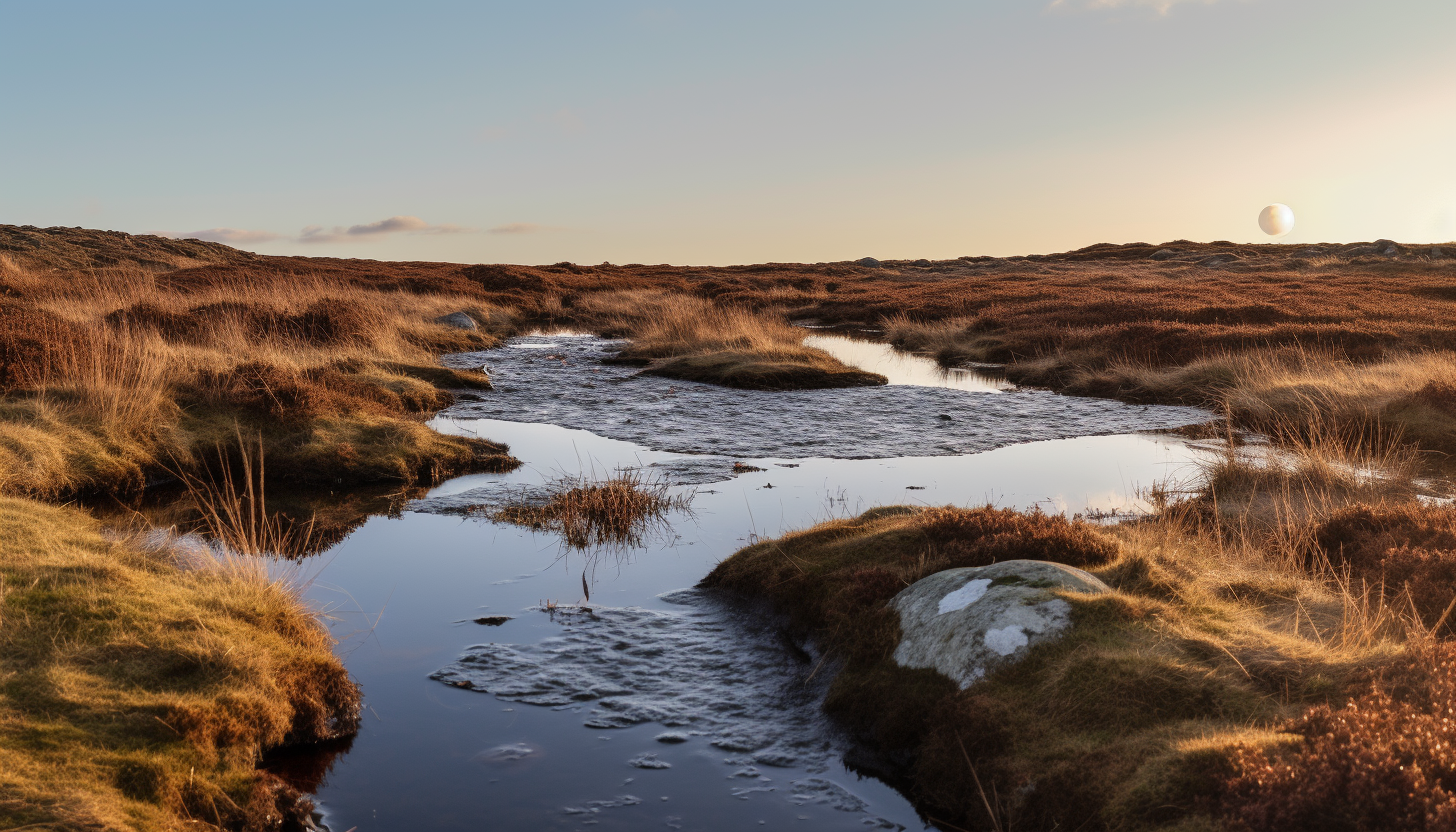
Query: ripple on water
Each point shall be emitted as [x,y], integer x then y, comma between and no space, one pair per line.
[568,385]
[707,671]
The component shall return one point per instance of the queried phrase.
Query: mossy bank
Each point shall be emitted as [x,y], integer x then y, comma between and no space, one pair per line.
[140,686]
[1161,707]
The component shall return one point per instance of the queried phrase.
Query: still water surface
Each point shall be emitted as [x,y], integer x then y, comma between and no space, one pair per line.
[750,749]
[906,368]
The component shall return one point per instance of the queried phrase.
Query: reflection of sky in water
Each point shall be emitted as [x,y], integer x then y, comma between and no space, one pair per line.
[904,368]
[568,384]
[424,758]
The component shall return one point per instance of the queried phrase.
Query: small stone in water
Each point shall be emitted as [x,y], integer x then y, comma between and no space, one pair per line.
[493,620]
[672,737]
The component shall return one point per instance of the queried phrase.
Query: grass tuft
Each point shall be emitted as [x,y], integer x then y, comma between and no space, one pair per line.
[617,512]
[688,338]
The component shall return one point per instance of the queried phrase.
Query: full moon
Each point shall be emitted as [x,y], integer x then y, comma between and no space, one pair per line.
[1277,220]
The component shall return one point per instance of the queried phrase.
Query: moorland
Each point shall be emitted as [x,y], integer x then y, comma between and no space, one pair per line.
[1274,652]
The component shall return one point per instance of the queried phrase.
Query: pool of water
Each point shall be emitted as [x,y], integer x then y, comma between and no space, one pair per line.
[661,708]
[902,368]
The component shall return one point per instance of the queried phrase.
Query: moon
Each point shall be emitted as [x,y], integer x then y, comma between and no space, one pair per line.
[1277,220]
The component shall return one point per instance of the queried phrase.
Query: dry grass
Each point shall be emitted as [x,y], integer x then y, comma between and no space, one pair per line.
[1281,590]
[139,686]
[689,338]
[1292,390]
[239,519]
[1234,613]
[618,512]
[108,376]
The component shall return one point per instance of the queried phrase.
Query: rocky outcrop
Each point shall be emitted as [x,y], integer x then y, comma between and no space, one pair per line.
[458,320]
[967,622]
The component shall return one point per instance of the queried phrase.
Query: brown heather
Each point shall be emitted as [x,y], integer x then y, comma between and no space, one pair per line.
[110,378]
[1272,657]
[1198,695]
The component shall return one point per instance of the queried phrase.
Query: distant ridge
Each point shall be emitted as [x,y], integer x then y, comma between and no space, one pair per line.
[69,249]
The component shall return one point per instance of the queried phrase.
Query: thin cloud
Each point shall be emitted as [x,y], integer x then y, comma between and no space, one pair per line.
[230,236]
[375,230]
[567,121]
[521,228]
[1160,6]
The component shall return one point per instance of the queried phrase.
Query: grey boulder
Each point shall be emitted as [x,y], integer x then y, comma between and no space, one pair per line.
[459,320]
[868,262]
[967,622]
[1163,254]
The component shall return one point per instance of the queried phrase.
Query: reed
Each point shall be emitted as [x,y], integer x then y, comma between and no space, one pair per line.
[238,518]
[618,511]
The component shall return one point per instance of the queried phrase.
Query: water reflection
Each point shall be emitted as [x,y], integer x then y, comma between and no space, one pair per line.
[418,581]
[906,368]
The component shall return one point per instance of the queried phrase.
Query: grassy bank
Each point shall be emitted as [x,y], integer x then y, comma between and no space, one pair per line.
[1250,670]
[693,339]
[1274,331]
[139,687]
[115,377]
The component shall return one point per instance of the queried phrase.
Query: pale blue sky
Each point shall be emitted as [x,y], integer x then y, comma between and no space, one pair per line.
[729,132]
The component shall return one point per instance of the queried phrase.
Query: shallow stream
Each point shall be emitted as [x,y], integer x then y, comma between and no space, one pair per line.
[665,707]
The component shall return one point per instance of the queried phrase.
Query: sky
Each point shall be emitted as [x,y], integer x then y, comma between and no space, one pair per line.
[720,133]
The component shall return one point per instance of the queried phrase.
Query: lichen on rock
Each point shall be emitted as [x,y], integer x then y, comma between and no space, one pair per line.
[965,622]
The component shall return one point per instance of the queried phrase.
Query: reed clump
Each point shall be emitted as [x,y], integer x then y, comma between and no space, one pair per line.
[236,517]
[619,511]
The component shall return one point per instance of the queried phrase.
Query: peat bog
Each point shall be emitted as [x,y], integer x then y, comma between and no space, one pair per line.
[618,546]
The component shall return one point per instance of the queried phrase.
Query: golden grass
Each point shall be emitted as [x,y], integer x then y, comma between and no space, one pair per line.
[138,686]
[113,375]
[238,518]
[690,338]
[1227,621]
[1284,390]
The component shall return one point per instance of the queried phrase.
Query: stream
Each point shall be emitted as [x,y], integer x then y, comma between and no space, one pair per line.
[664,707]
